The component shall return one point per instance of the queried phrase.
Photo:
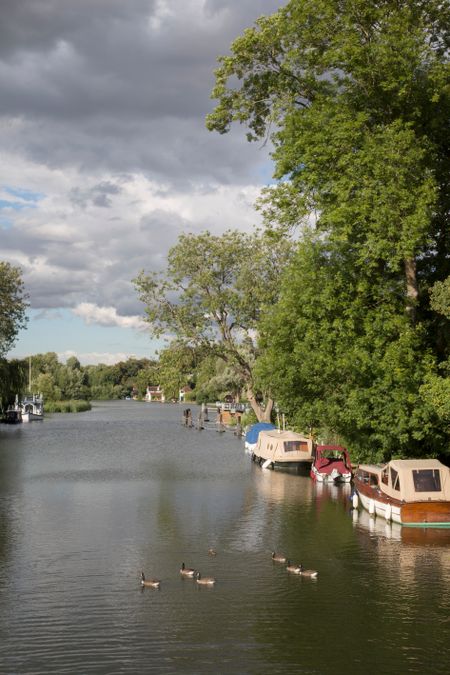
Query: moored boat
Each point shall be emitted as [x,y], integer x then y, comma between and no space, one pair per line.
[32,408]
[13,413]
[414,492]
[331,464]
[252,435]
[283,449]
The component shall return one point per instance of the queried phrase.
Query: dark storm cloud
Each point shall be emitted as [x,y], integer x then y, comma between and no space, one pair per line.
[123,84]
[102,115]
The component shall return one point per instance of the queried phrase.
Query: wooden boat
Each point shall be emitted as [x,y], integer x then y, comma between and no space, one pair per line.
[331,464]
[283,449]
[32,408]
[414,492]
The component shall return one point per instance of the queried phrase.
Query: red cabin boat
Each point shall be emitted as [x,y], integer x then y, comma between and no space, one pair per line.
[331,464]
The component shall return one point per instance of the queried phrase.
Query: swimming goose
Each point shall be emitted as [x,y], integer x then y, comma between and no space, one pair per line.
[205,581]
[186,571]
[307,573]
[212,551]
[153,583]
[278,557]
[294,569]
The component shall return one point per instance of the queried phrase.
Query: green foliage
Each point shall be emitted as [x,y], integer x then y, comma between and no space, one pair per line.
[440,298]
[248,418]
[356,98]
[175,368]
[67,406]
[212,294]
[13,303]
[344,357]
[13,377]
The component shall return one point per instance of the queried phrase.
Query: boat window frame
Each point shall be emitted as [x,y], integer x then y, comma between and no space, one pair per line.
[436,474]
[395,479]
[295,446]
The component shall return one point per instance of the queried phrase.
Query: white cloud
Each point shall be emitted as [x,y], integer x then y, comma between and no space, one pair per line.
[102,119]
[107,316]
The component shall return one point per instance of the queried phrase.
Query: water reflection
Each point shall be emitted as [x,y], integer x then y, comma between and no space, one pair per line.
[88,501]
[281,486]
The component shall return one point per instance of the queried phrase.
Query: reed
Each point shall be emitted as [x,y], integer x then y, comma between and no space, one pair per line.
[73,406]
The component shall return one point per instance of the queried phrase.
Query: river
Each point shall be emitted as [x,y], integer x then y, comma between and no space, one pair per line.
[89,500]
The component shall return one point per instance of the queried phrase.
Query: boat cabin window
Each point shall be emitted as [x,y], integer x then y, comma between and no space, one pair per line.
[384,477]
[373,480]
[395,480]
[295,446]
[427,480]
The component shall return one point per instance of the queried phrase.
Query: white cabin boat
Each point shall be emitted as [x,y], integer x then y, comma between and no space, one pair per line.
[283,449]
[414,492]
[32,408]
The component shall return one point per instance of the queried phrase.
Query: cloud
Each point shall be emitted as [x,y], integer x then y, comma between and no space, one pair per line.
[105,156]
[107,316]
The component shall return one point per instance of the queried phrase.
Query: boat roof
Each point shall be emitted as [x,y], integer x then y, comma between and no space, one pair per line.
[416,464]
[252,434]
[285,435]
[408,491]
[401,465]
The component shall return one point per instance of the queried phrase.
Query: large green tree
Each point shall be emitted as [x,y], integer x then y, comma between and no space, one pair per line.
[211,297]
[13,304]
[355,95]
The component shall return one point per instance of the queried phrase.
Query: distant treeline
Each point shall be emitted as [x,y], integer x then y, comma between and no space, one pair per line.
[72,381]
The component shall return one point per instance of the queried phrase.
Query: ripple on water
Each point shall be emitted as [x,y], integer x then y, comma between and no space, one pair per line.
[87,502]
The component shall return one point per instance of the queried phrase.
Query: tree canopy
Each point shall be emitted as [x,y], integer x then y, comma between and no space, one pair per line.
[211,297]
[13,304]
[355,97]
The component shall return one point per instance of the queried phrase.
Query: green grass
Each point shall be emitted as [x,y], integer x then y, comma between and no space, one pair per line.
[73,406]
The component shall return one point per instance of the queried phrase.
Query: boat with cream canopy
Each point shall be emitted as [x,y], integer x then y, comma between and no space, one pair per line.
[283,449]
[414,492]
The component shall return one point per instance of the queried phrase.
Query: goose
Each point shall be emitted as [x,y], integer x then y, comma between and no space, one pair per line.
[212,551]
[278,557]
[307,573]
[153,583]
[294,569]
[186,571]
[205,581]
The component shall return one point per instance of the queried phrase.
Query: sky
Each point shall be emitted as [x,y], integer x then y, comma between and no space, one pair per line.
[106,159]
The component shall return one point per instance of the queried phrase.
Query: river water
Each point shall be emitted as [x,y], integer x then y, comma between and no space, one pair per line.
[87,501]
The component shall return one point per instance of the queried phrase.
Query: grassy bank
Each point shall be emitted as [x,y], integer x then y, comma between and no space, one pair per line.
[67,406]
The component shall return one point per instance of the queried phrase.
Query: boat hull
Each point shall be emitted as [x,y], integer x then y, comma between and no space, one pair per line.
[31,417]
[413,514]
[301,465]
[322,477]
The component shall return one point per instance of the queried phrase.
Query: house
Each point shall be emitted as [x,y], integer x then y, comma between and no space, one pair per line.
[154,393]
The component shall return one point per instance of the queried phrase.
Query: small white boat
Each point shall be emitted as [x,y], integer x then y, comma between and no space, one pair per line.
[414,492]
[283,449]
[32,408]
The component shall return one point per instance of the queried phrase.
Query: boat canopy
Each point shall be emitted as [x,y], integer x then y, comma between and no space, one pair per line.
[412,479]
[285,446]
[252,434]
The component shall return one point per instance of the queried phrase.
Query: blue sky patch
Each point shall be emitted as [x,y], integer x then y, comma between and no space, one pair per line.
[25,195]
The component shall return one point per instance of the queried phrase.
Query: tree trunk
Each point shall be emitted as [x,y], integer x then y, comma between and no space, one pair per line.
[262,414]
[411,287]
